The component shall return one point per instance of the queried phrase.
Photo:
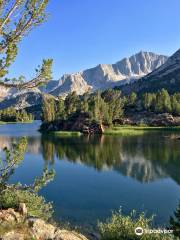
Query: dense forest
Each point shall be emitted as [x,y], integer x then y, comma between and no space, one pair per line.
[13,115]
[110,105]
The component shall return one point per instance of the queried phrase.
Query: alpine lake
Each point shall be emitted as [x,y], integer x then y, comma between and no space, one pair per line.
[96,175]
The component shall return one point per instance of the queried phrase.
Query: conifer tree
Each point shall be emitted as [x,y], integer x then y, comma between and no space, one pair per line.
[49,109]
[148,101]
[175,103]
[163,102]
[71,103]
[132,99]
[84,106]
[61,114]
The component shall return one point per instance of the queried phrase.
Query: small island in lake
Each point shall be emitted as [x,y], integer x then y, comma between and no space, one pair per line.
[110,112]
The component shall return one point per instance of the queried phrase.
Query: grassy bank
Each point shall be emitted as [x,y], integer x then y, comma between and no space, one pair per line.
[120,130]
[137,130]
[65,133]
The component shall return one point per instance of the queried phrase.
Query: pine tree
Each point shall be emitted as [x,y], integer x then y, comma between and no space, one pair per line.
[132,99]
[84,103]
[71,103]
[175,103]
[61,114]
[49,110]
[163,102]
[148,101]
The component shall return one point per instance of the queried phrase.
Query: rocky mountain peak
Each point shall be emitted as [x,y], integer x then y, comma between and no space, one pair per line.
[101,77]
[105,76]
[176,55]
[166,76]
[172,64]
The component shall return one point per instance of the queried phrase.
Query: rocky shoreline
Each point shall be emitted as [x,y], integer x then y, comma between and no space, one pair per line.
[81,122]
[17,225]
[150,118]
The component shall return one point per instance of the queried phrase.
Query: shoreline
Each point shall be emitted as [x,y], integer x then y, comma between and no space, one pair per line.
[1,122]
[117,130]
[138,130]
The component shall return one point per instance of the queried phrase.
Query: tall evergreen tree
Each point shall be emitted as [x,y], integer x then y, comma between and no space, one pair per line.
[84,106]
[175,103]
[49,109]
[163,102]
[149,101]
[132,99]
[71,103]
[61,113]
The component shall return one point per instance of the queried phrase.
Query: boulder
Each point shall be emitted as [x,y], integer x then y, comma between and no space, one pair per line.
[13,236]
[40,229]
[93,128]
[32,228]
[123,121]
[164,119]
[9,216]
[23,209]
[67,235]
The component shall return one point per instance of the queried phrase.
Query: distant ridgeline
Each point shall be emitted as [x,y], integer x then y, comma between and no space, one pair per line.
[13,115]
[104,109]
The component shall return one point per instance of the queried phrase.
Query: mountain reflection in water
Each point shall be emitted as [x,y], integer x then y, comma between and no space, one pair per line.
[98,174]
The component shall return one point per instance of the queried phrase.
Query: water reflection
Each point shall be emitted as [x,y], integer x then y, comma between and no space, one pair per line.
[89,180]
[145,158]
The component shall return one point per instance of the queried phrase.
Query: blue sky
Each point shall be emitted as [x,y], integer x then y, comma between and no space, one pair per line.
[82,33]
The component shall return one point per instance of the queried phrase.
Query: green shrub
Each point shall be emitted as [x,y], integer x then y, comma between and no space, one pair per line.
[36,205]
[175,222]
[120,227]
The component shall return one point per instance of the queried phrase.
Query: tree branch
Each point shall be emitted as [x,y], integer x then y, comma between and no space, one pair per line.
[9,14]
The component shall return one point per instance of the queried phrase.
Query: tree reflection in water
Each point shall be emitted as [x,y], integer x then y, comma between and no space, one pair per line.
[145,158]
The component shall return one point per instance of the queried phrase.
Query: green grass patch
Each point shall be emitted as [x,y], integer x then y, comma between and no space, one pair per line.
[65,133]
[137,130]
[123,132]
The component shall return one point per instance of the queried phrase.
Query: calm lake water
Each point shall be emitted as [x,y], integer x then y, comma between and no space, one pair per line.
[95,175]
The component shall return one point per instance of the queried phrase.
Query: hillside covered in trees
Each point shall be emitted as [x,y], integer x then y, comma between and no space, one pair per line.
[13,115]
[105,109]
